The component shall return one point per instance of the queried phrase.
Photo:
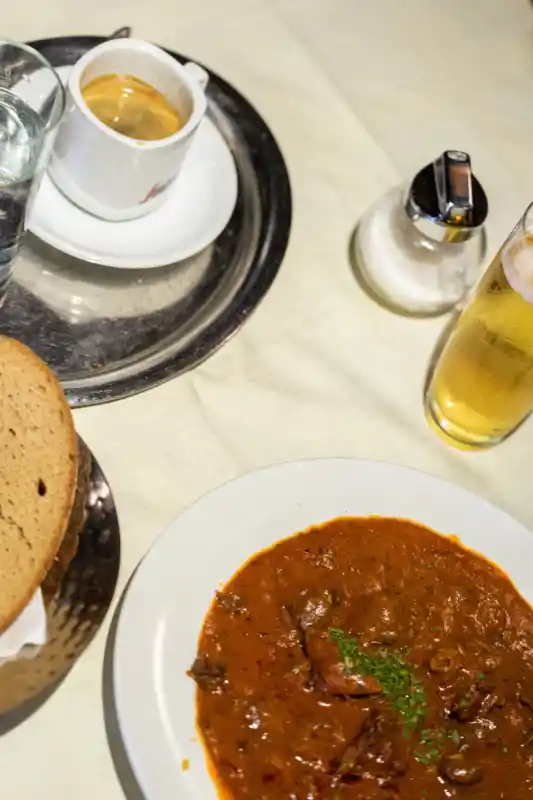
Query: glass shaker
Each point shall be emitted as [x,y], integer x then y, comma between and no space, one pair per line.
[481,388]
[420,248]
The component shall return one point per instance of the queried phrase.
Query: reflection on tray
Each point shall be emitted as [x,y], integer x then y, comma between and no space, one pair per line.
[112,333]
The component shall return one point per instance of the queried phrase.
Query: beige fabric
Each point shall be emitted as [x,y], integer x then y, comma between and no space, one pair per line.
[359,93]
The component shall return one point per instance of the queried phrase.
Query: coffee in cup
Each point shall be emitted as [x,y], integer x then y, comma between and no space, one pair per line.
[132,113]
[131,107]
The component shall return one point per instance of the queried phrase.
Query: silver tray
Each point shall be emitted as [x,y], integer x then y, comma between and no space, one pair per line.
[110,333]
[74,614]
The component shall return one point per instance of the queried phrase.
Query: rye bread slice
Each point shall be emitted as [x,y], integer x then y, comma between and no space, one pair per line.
[38,474]
[78,516]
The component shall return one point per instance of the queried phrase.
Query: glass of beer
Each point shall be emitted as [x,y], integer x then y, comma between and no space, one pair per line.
[481,387]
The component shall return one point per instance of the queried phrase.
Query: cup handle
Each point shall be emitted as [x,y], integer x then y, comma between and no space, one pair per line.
[197,74]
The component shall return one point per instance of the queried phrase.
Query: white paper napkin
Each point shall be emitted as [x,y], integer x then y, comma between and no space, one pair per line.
[28,629]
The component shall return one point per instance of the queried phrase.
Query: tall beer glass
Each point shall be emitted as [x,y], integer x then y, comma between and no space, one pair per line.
[481,388]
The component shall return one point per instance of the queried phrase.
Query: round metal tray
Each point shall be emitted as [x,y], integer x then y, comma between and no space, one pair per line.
[109,333]
[75,614]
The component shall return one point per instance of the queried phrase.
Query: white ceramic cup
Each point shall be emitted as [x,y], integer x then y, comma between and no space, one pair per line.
[106,173]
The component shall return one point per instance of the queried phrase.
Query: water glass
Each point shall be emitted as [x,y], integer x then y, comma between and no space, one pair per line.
[32,100]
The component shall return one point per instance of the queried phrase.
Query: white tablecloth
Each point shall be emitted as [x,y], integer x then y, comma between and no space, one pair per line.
[359,93]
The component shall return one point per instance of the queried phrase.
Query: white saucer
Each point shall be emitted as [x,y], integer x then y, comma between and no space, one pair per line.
[196,211]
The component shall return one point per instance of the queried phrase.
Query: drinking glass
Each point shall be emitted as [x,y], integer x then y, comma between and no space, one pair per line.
[481,388]
[32,101]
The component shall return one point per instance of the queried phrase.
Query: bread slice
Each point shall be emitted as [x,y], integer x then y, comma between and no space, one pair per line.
[38,474]
[78,516]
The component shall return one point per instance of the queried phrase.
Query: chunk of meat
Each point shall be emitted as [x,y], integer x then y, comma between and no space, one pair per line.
[301,676]
[313,610]
[331,673]
[386,637]
[322,667]
[445,661]
[481,698]
[460,769]
[209,676]
[377,752]
[336,681]
[466,703]
[494,699]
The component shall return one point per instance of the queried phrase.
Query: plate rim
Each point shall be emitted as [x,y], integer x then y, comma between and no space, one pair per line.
[141,578]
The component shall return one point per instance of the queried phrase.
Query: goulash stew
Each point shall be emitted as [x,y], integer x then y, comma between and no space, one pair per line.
[368,659]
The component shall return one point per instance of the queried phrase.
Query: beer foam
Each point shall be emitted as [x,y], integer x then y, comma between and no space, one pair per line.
[517,265]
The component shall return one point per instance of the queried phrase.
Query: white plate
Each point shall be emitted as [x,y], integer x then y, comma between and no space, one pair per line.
[196,211]
[173,587]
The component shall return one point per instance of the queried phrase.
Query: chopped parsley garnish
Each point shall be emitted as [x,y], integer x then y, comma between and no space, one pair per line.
[426,757]
[402,688]
[432,744]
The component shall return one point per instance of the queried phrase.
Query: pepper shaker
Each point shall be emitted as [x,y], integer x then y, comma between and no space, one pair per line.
[419,250]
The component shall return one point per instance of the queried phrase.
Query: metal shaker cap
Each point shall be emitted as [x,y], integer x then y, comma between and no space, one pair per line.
[446,201]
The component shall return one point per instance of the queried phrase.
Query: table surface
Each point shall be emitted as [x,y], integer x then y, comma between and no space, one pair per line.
[359,95]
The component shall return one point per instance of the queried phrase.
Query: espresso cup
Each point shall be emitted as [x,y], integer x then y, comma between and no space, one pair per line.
[106,173]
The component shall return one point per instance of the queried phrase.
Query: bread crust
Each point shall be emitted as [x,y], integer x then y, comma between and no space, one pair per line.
[69,546]
[7,344]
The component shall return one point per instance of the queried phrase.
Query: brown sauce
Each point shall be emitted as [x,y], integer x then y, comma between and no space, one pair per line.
[368,659]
